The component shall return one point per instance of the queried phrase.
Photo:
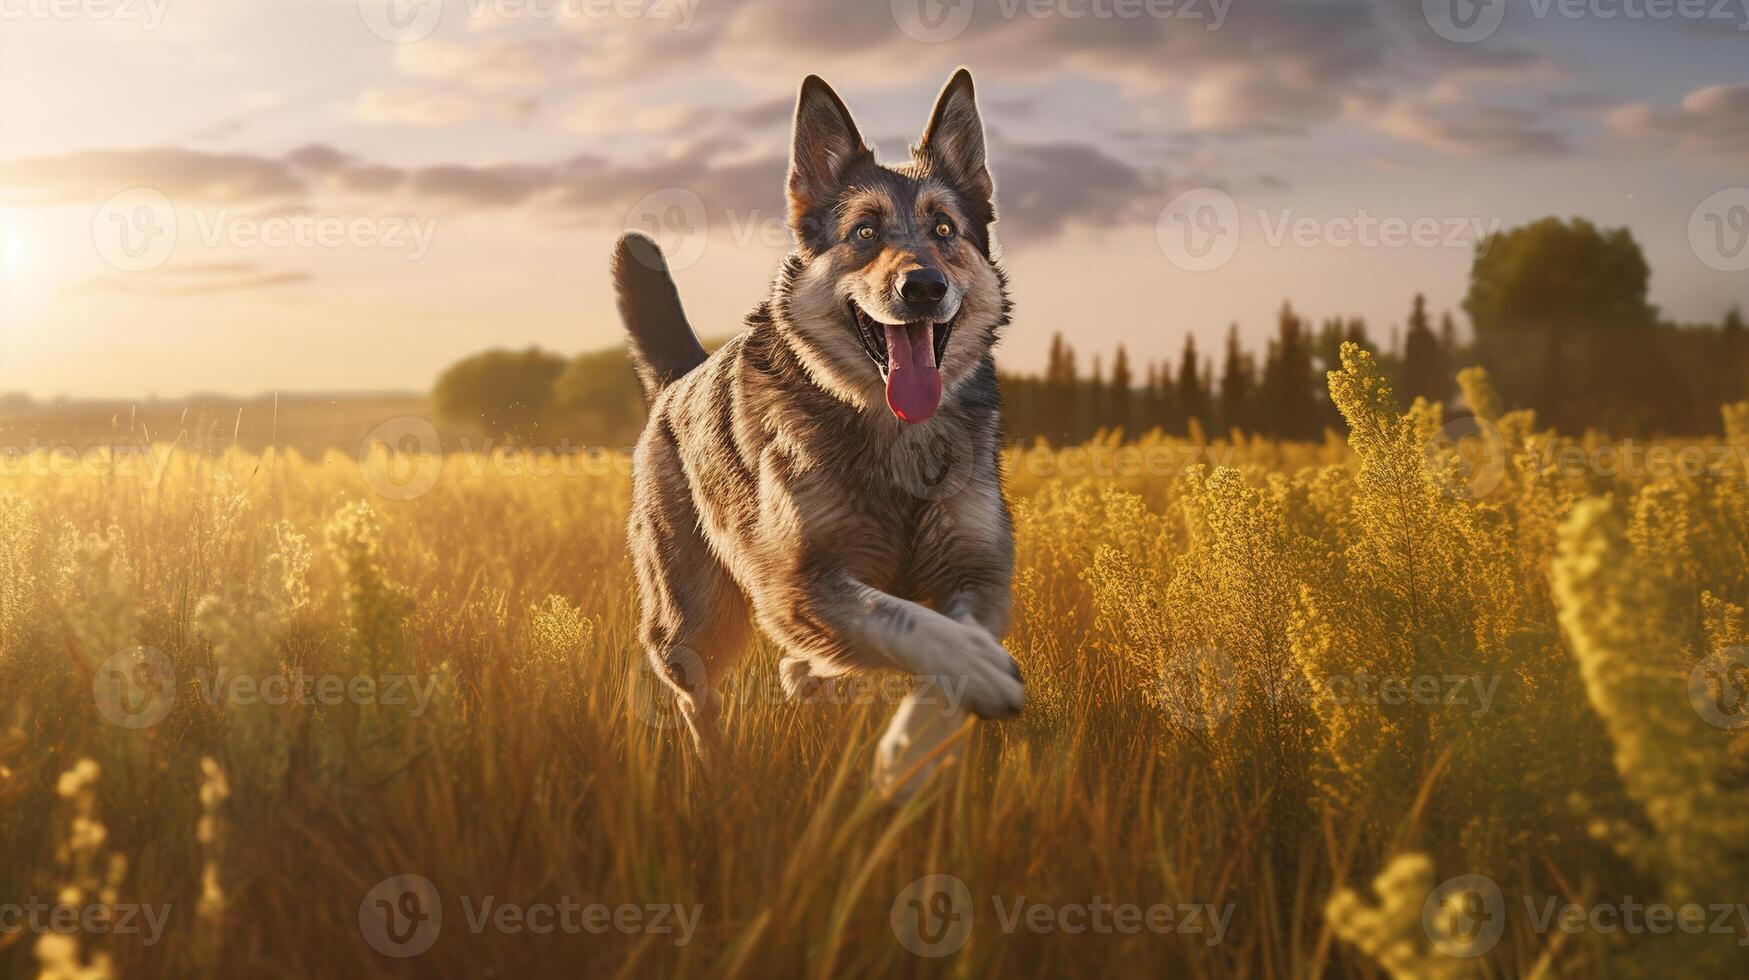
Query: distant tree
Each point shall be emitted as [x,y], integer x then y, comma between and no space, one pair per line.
[1356,335]
[1193,401]
[1238,381]
[505,392]
[1161,415]
[1554,306]
[1326,349]
[1094,411]
[1120,397]
[1289,406]
[1149,410]
[1059,393]
[1426,373]
[596,400]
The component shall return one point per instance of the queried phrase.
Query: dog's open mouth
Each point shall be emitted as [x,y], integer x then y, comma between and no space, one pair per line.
[908,356]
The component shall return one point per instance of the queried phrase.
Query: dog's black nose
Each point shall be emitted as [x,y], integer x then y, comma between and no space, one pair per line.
[922,286]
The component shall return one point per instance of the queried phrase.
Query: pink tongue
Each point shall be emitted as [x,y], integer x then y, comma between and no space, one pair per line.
[913,380]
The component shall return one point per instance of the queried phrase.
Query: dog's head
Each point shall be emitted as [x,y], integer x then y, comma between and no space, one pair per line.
[891,293]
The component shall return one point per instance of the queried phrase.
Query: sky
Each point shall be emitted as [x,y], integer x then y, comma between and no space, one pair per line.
[244,196]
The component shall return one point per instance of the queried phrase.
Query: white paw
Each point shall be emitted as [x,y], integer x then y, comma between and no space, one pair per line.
[977,673]
[923,722]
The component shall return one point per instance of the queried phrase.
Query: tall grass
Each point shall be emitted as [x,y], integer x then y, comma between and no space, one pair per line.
[1192,630]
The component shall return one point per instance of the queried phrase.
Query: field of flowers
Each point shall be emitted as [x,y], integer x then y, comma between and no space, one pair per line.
[1453,697]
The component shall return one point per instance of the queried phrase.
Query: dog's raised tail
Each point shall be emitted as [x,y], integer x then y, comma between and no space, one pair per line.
[663,346]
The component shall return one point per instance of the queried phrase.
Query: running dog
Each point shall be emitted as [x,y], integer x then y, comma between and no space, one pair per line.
[831,472]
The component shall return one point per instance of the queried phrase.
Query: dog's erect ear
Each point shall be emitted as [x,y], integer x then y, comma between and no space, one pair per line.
[824,144]
[953,142]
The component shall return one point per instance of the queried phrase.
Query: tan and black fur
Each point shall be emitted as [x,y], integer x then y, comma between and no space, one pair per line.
[772,484]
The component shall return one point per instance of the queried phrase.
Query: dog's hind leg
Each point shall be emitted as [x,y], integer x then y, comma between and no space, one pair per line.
[692,617]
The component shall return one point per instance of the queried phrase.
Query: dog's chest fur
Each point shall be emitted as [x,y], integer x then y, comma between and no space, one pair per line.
[766,453]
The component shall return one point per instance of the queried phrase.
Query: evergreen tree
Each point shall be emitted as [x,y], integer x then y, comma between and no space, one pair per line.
[1424,364]
[1192,394]
[1164,416]
[1118,399]
[1289,403]
[1238,379]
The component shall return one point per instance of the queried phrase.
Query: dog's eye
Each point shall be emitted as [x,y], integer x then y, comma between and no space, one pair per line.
[864,231]
[943,228]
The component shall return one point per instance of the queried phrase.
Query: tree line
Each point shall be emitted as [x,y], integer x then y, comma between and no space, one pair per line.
[1558,311]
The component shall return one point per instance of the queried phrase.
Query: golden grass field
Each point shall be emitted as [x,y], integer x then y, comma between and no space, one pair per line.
[1293,687]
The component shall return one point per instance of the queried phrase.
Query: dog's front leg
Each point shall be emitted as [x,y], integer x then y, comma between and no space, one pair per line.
[910,749]
[986,606]
[839,624]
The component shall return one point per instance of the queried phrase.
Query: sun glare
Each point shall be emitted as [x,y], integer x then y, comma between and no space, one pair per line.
[12,249]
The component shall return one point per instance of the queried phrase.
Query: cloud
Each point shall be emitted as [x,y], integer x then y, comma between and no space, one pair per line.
[1710,122]
[1458,129]
[407,105]
[1270,70]
[197,279]
[1043,187]
[486,64]
[95,175]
